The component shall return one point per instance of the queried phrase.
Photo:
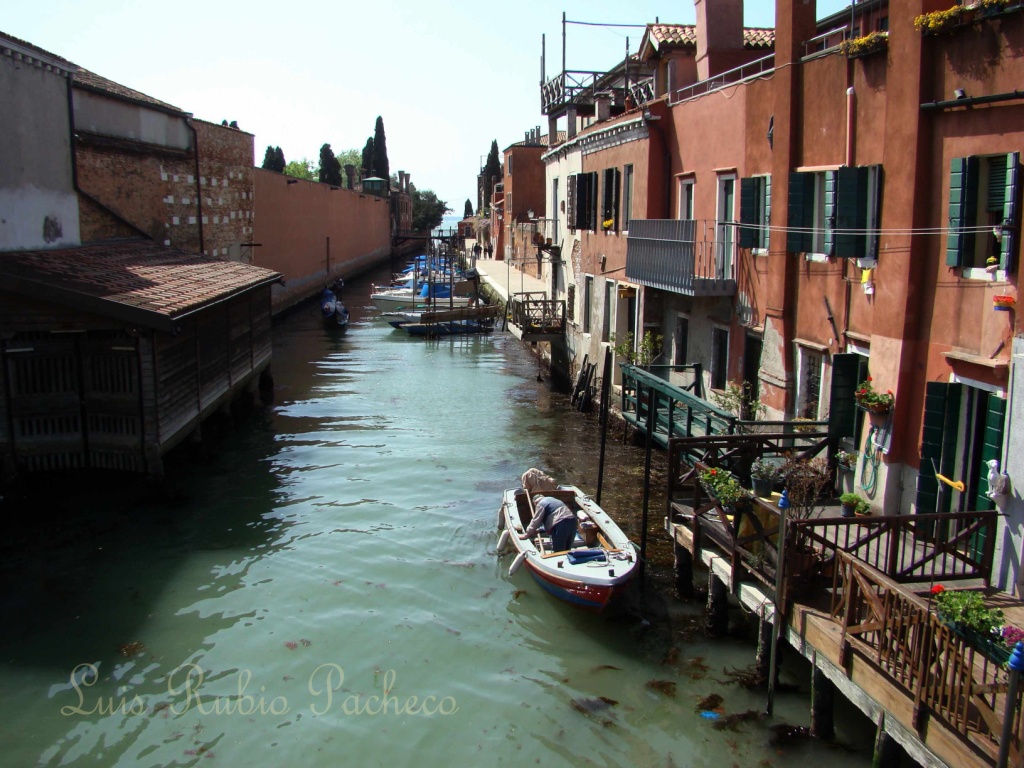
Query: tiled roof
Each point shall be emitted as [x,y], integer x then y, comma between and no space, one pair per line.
[136,279]
[99,83]
[541,142]
[686,34]
[28,46]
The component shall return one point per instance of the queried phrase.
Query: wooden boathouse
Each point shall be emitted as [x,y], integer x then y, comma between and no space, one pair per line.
[853,594]
[113,353]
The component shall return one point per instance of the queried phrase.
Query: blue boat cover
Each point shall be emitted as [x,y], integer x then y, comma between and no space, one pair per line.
[578,556]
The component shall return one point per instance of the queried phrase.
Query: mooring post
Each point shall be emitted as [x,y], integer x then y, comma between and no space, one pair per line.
[887,750]
[684,570]
[823,693]
[717,617]
[762,662]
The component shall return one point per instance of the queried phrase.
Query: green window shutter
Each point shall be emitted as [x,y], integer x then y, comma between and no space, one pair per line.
[991,448]
[616,196]
[851,212]
[1009,245]
[572,186]
[842,409]
[950,440]
[766,231]
[875,211]
[592,202]
[996,184]
[963,206]
[748,213]
[831,190]
[936,401]
[801,212]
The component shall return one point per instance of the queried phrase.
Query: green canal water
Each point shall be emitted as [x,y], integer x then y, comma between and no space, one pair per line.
[317,585]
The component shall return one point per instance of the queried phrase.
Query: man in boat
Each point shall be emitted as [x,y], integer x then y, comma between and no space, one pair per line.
[556,518]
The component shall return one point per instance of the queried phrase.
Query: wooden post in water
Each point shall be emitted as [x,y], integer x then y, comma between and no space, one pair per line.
[762,662]
[684,570]
[606,389]
[823,693]
[887,749]
[716,618]
[647,487]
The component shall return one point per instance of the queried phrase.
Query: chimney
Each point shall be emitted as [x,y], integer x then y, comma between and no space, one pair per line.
[604,106]
[350,174]
[719,36]
[570,123]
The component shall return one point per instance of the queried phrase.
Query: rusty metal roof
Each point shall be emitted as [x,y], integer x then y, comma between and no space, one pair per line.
[136,281]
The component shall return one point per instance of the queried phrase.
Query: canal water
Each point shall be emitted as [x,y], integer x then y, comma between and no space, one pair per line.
[316,584]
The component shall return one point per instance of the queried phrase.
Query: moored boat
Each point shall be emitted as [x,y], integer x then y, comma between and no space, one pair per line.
[596,567]
[334,312]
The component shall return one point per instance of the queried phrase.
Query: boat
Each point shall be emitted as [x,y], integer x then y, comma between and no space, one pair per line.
[597,567]
[334,312]
[408,300]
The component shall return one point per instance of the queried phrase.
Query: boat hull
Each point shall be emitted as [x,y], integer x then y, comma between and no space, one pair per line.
[405,302]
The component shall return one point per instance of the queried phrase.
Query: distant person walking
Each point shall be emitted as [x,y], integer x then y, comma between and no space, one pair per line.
[490,250]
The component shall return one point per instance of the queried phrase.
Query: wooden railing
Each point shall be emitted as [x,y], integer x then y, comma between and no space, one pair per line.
[925,548]
[533,312]
[945,676]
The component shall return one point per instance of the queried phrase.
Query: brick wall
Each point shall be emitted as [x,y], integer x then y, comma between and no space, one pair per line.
[226,162]
[293,223]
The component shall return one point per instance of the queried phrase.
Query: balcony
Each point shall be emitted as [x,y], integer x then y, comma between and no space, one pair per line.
[580,89]
[686,256]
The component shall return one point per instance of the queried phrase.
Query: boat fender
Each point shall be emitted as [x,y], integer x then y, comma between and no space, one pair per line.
[516,563]
[502,541]
[501,518]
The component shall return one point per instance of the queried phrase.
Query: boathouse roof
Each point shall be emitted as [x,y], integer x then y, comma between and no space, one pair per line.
[135,281]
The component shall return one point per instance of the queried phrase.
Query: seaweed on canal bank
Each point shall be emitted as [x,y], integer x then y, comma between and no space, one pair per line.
[666,687]
[597,708]
[730,722]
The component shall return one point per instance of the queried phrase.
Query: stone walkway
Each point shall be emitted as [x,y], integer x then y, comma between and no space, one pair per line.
[506,279]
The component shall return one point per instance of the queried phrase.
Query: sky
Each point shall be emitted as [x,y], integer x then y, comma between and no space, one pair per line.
[447,77]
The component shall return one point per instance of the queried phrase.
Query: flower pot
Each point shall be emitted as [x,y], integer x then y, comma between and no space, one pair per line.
[762,487]
[849,510]
[986,645]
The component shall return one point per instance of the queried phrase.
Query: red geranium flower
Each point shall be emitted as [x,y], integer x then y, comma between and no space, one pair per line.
[938,588]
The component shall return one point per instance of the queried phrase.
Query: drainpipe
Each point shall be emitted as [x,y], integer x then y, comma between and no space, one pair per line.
[850,98]
[199,193]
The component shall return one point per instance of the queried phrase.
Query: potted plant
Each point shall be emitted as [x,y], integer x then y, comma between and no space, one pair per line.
[847,459]
[938,21]
[723,487]
[850,502]
[762,477]
[862,46]
[863,508]
[871,400]
[965,613]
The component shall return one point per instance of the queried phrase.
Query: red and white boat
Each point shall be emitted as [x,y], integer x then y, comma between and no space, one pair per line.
[600,563]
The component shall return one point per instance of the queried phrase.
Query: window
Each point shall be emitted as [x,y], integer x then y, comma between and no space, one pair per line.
[680,340]
[808,396]
[570,303]
[588,299]
[686,199]
[627,196]
[509,164]
[835,213]
[719,357]
[610,200]
[724,227]
[755,212]
[983,195]
[606,314]
[582,205]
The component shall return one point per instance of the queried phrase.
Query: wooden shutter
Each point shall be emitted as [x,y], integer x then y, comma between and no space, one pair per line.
[570,200]
[831,192]
[801,212]
[963,207]
[941,415]
[616,197]
[592,201]
[748,213]
[842,408]
[991,448]
[1008,250]
[766,231]
[875,209]
[851,212]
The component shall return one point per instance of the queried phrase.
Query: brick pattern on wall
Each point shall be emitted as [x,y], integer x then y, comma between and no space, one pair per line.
[226,158]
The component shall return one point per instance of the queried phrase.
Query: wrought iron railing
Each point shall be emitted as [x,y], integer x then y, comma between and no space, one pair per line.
[749,71]
[682,255]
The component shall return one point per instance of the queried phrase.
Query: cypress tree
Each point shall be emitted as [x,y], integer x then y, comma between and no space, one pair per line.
[330,168]
[279,160]
[492,172]
[368,158]
[468,211]
[380,151]
[269,160]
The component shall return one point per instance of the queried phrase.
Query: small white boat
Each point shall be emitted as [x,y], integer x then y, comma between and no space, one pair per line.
[403,300]
[599,564]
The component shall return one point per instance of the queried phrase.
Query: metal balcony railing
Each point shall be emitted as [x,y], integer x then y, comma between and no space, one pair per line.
[687,256]
[750,71]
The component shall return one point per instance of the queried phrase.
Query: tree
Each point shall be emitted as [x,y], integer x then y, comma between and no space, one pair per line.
[381,166]
[367,159]
[350,157]
[427,210]
[330,168]
[468,210]
[273,159]
[301,169]
[492,173]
